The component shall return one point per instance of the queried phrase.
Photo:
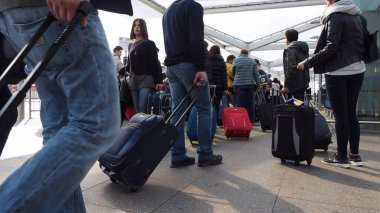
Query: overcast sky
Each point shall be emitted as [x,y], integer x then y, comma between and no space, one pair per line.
[247,26]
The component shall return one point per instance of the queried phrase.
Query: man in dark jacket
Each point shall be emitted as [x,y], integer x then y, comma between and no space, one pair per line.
[296,81]
[185,59]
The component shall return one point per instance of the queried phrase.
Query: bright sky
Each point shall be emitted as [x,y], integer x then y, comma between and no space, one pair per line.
[247,26]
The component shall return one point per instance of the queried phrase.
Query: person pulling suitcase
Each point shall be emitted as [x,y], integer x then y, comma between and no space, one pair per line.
[78,94]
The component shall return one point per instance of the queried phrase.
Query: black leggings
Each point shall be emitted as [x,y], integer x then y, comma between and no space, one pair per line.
[343,92]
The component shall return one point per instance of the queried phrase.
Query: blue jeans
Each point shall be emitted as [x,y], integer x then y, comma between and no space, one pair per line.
[245,97]
[181,78]
[79,113]
[6,125]
[140,99]
[343,92]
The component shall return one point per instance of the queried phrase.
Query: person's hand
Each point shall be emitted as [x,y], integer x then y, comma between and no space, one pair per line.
[285,90]
[65,10]
[301,65]
[200,78]
[226,92]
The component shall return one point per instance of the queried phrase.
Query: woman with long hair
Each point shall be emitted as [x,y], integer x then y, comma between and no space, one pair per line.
[339,54]
[145,74]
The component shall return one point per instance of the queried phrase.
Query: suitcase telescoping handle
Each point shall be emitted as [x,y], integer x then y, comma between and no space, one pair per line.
[83,10]
[183,101]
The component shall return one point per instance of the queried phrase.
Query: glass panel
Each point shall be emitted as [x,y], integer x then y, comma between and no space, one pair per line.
[366,5]
[369,98]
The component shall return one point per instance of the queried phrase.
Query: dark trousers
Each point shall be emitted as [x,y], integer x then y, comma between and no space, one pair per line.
[6,124]
[343,92]
[245,97]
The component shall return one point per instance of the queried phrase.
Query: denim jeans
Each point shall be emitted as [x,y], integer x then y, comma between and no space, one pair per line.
[6,125]
[140,99]
[343,92]
[79,113]
[181,78]
[245,97]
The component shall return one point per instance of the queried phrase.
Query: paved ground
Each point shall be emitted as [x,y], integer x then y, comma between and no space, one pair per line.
[249,180]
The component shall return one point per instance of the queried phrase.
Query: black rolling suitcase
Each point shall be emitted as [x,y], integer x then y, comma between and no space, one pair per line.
[293,133]
[13,70]
[264,111]
[140,147]
[159,103]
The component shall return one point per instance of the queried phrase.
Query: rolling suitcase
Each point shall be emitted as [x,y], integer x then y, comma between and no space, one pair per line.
[140,147]
[13,70]
[192,120]
[236,123]
[265,111]
[159,103]
[293,133]
[192,125]
[322,134]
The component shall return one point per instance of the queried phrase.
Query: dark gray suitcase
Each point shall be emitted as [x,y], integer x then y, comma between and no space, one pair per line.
[293,133]
[140,147]
[159,103]
[322,134]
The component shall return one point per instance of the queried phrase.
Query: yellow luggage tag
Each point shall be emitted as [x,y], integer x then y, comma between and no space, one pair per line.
[298,102]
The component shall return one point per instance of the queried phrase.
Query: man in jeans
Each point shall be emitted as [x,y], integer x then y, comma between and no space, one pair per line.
[185,59]
[79,106]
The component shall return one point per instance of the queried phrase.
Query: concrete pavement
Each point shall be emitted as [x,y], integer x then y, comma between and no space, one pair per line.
[249,180]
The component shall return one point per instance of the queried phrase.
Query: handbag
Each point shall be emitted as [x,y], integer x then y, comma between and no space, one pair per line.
[114,6]
[371,51]
[7,54]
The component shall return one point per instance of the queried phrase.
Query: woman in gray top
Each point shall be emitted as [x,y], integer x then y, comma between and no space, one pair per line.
[144,66]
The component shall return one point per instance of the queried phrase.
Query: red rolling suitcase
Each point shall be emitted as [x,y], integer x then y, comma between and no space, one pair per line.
[236,123]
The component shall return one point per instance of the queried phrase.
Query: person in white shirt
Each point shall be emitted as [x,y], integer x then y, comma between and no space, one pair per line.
[117,51]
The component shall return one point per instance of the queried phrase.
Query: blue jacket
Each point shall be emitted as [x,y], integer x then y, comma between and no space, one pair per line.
[184,33]
[244,70]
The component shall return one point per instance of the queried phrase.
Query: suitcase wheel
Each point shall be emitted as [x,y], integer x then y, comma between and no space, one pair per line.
[326,149]
[113,180]
[282,160]
[297,163]
[133,189]
[309,161]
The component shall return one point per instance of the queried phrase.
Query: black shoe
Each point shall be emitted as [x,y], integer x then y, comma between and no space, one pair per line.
[187,162]
[355,160]
[338,161]
[212,160]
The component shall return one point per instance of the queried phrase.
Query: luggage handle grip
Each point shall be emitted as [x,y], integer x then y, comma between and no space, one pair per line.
[83,10]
